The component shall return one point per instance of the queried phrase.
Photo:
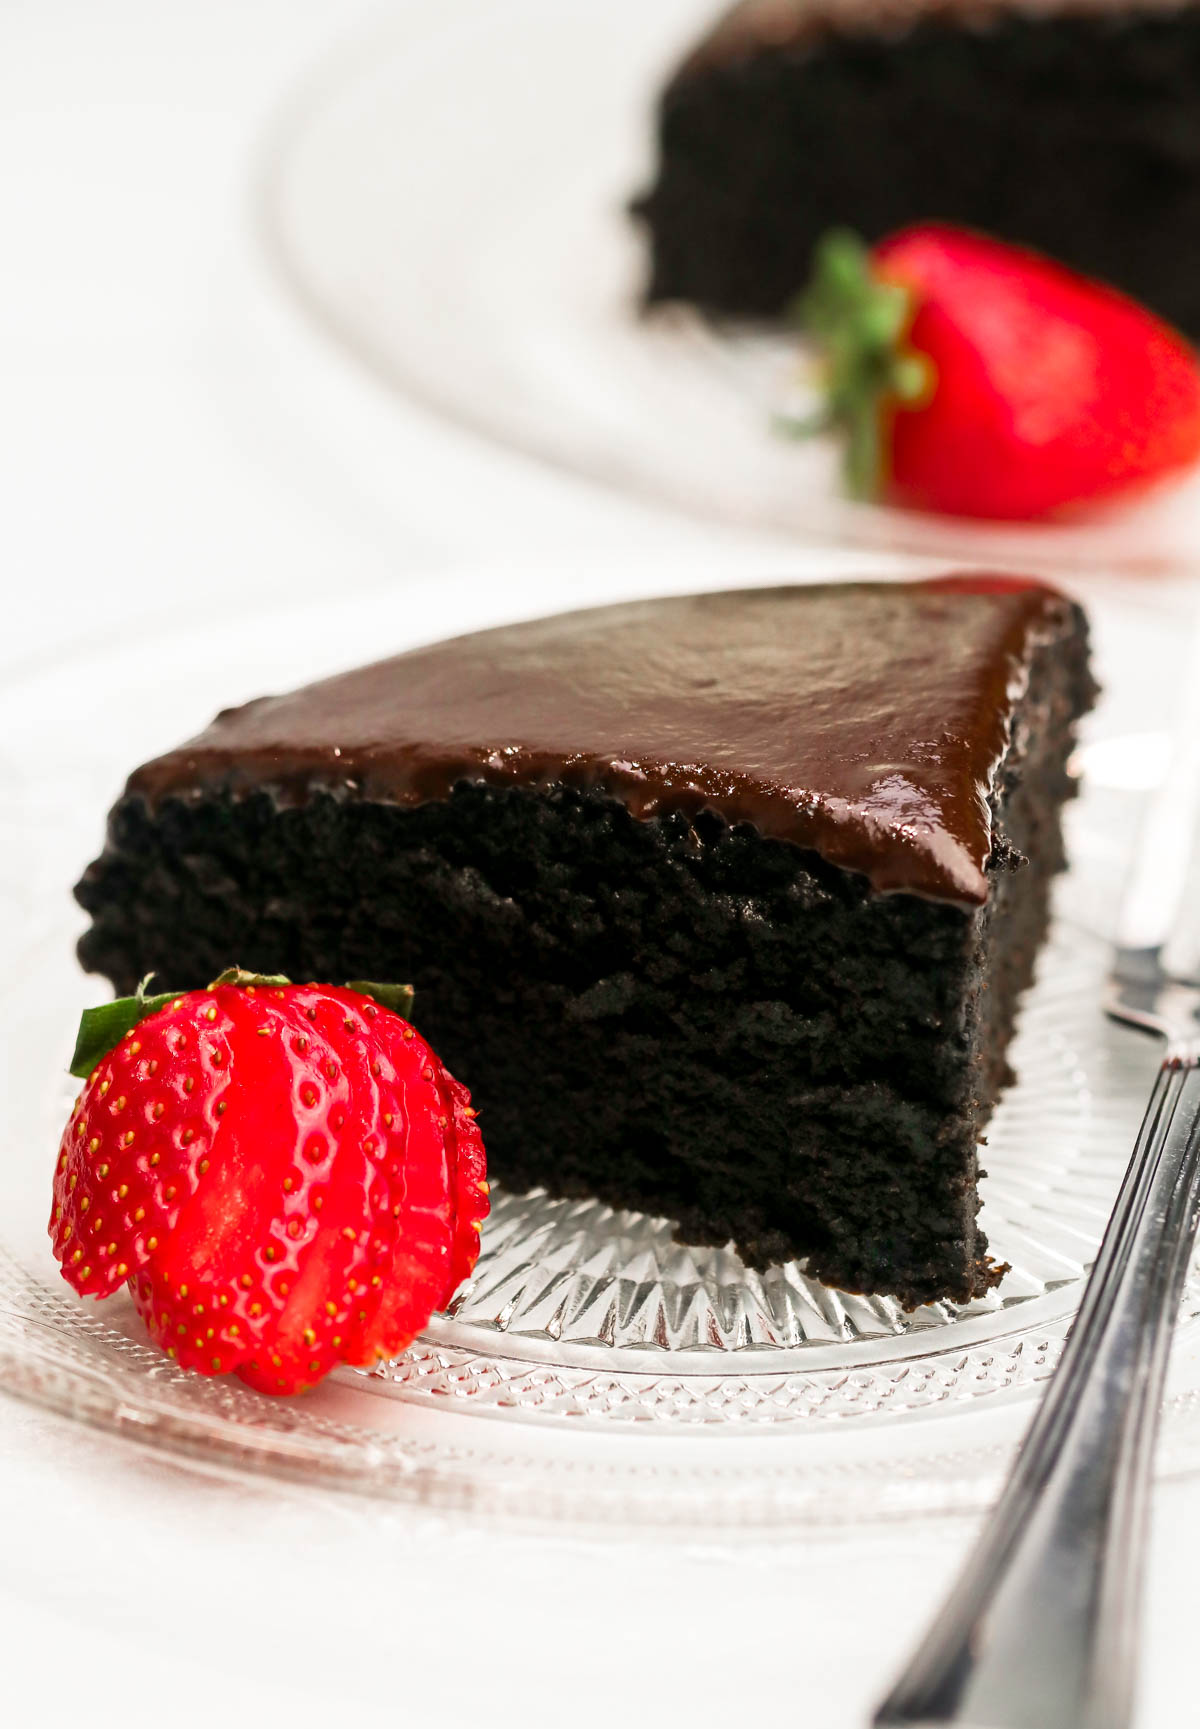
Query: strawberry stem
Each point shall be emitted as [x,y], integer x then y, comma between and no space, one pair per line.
[860,324]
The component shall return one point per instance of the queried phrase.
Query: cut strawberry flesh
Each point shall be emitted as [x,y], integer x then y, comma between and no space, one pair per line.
[308,1180]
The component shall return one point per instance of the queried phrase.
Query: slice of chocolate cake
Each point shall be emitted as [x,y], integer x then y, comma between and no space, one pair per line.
[1071,126]
[720,905]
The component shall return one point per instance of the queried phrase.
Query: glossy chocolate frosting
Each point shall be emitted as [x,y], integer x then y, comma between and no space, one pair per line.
[864,721]
[757,26]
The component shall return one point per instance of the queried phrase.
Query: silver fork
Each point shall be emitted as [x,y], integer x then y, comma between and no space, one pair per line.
[1041,1630]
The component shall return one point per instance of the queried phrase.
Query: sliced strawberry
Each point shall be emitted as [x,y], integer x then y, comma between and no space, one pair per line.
[303,1184]
[138,1144]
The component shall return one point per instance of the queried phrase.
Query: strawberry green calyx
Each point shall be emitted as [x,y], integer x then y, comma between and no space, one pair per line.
[102,1029]
[239,976]
[860,323]
[397,998]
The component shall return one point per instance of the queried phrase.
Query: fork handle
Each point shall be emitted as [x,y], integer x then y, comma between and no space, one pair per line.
[1041,1630]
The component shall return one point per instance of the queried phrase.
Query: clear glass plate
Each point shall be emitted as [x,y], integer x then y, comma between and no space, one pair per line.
[634,1378]
[475,253]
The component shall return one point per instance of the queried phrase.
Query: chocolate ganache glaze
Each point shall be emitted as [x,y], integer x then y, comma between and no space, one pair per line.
[864,721]
[754,26]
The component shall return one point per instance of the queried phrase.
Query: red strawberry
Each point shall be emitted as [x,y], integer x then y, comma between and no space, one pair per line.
[285,1175]
[981,379]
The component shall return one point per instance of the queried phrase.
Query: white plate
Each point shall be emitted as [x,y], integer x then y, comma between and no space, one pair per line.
[448,198]
[648,1381]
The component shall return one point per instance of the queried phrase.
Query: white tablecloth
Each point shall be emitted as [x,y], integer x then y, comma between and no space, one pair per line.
[175,438]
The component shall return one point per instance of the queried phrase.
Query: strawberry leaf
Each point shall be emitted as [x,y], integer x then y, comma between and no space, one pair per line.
[239,976]
[103,1028]
[398,998]
[860,323]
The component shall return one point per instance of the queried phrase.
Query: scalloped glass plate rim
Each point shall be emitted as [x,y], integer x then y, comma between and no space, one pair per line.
[133,1393]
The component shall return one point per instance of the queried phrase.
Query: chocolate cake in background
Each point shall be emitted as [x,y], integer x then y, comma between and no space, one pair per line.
[720,905]
[1071,127]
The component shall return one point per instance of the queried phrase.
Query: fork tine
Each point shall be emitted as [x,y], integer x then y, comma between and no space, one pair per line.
[1157,911]
[1181,952]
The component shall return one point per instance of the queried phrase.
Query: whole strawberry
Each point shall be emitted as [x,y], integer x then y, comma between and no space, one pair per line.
[981,379]
[285,1175]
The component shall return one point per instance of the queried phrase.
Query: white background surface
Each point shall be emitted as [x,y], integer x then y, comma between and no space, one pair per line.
[175,438]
